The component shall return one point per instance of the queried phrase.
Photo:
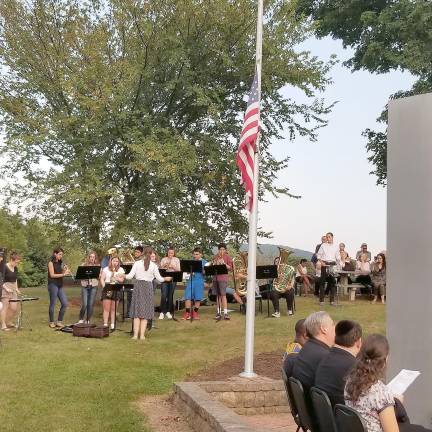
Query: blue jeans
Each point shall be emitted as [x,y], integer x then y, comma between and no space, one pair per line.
[54,293]
[88,295]
[167,294]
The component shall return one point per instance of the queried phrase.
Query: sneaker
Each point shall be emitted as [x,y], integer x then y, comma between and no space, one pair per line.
[226,317]
[161,315]
[333,304]
[276,315]
[51,325]
[168,315]
[186,316]
[81,322]
[195,315]
[218,317]
[112,326]
[290,312]
[59,324]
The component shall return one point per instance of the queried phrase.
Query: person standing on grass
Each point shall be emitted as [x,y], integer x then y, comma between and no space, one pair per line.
[88,290]
[327,256]
[110,275]
[171,264]
[56,272]
[378,276]
[195,288]
[142,306]
[10,290]
[220,282]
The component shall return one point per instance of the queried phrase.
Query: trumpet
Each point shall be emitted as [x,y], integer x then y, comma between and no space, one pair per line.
[66,270]
[218,260]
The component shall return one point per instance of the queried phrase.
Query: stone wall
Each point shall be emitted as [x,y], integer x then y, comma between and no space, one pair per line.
[256,396]
[217,406]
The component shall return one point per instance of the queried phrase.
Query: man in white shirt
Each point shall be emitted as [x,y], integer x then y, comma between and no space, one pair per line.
[327,256]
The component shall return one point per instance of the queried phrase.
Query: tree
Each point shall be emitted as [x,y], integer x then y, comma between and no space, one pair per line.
[385,35]
[123,116]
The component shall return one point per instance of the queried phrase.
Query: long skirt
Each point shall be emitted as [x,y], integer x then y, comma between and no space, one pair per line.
[142,305]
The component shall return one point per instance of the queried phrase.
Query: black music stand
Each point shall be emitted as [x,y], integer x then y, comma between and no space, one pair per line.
[215,270]
[88,272]
[191,267]
[267,272]
[177,277]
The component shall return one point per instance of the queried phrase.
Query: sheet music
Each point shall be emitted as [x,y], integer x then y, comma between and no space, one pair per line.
[402,381]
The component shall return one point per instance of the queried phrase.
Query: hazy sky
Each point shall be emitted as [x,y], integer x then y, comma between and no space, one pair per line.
[332,174]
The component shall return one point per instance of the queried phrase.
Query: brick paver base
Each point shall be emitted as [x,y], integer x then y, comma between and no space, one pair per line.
[273,422]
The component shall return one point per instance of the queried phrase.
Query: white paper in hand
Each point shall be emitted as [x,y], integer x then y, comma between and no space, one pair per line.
[402,381]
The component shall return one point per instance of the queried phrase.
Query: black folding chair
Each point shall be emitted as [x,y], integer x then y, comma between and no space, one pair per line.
[323,410]
[300,404]
[348,419]
[291,401]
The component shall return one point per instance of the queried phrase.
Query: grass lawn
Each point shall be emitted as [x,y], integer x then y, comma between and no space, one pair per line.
[51,381]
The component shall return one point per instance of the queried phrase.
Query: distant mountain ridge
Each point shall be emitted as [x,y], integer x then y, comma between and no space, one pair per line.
[271,251]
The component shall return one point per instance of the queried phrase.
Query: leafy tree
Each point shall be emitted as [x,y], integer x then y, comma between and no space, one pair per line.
[123,116]
[385,35]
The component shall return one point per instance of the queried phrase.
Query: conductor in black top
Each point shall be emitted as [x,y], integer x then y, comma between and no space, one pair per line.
[334,368]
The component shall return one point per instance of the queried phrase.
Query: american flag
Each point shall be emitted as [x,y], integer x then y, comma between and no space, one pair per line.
[247,146]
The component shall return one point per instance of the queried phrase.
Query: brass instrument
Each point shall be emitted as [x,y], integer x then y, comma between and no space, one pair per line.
[218,260]
[126,256]
[286,272]
[239,270]
[66,270]
[112,251]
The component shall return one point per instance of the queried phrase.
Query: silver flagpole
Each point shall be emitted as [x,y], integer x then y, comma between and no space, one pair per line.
[253,220]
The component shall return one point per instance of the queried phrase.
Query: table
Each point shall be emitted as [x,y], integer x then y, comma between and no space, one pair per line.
[344,282]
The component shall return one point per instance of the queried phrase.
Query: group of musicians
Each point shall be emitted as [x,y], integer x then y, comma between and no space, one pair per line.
[145,274]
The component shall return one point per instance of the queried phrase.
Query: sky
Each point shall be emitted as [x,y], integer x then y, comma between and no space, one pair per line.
[332,174]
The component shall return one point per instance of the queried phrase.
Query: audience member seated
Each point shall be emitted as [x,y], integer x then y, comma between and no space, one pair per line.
[302,277]
[333,368]
[378,276]
[293,348]
[363,265]
[320,330]
[363,249]
[366,393]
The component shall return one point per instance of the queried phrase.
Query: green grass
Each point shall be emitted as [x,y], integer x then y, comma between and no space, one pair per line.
[52,381]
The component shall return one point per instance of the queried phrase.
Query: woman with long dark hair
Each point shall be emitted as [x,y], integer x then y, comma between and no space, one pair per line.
[366,392]
[56,272]
[142,305]
[378,275]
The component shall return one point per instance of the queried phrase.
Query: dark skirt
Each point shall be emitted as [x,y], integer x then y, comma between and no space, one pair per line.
[142,305]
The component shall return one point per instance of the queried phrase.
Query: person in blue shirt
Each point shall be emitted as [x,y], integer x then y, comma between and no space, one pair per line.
[194,291]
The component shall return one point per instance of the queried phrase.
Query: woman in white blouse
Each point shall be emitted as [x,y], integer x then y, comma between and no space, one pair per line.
[142,305]
[110,275]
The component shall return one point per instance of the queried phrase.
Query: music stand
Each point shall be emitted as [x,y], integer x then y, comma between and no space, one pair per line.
[215,270]
[177,276]
[88,272]
[267,272]
[191,267]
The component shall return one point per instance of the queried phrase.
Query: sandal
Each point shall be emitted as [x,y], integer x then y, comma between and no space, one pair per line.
[5,329]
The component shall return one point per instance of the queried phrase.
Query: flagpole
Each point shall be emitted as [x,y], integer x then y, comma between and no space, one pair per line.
[253,221]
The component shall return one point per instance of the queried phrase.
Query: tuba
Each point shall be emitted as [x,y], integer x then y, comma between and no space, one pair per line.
[239,270]
[126,256]
[286,272]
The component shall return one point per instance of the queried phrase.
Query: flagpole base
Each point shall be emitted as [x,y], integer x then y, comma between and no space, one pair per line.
[245,374]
